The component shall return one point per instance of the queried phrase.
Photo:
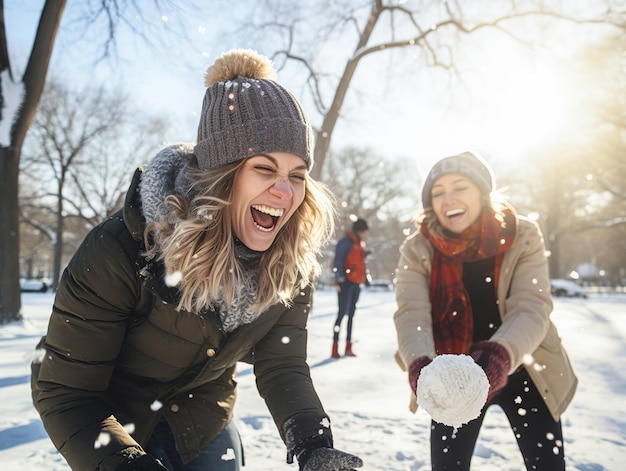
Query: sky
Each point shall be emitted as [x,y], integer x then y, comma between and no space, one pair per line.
[510,102]
[367,396]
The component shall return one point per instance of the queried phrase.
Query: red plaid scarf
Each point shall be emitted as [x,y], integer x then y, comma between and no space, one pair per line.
[453,323]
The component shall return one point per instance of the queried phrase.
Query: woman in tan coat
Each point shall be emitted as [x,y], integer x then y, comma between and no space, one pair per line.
[474,280]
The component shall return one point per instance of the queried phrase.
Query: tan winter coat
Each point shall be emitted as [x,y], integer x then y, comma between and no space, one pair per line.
[525,303]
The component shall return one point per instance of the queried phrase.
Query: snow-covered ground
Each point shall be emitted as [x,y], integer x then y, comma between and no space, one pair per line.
[367,396]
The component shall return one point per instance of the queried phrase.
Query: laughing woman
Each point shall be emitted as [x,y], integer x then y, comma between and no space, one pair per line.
[474,280]
[210,262]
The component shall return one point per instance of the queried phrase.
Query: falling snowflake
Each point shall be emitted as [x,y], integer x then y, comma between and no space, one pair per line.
[103,440]
[173,279]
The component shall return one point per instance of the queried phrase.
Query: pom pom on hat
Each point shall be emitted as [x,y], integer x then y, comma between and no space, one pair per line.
[452,389]
[239,62]
[246,113]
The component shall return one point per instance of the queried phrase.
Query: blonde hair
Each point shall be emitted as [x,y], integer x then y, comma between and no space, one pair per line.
[196,242]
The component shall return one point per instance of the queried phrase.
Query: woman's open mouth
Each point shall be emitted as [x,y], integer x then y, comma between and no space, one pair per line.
[265,217]
[454,213]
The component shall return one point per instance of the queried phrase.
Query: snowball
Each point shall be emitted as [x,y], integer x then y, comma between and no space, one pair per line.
[452,389]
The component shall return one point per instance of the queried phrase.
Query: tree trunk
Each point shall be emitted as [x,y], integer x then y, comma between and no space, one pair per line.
[33,79]
[10,300]
[324,135]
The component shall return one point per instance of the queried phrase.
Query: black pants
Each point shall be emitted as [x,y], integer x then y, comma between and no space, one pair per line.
[539,437]
[347,298]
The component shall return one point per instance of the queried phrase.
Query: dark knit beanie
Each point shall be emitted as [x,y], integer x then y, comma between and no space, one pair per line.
[468,164]
[360,225]
[245,113]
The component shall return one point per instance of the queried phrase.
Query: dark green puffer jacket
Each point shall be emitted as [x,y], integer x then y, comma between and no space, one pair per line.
[118,357]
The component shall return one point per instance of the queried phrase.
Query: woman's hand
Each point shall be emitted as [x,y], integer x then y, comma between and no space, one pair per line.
[328,459]
[415,368]
[495,361]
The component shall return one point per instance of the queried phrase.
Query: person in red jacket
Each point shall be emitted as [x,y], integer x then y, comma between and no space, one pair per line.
[349,269]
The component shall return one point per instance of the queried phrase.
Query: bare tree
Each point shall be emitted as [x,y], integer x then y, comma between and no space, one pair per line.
[64,125]
[431,27]
[111,161]
[355,32]
[598,208]
[18,104]
[377,189]
[87,142]
[19,98]
[577,182]
[35,237]
[371,186]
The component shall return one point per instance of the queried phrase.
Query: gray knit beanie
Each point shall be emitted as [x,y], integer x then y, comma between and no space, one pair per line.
[468,164]
[245,113]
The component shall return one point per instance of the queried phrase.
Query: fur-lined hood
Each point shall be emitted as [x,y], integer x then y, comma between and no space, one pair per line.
[164,175]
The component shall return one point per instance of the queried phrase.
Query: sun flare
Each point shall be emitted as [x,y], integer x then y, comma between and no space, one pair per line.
[532,105]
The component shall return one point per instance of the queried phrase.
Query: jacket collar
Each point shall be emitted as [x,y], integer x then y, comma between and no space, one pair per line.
[133,218]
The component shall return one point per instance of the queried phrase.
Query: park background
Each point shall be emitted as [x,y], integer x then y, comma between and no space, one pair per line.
[537,87]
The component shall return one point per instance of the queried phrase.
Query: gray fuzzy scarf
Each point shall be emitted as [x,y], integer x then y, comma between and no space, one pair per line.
[166,174]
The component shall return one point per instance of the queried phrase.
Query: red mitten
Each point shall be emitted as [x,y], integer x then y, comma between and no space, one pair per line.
[495,361]
[415,368]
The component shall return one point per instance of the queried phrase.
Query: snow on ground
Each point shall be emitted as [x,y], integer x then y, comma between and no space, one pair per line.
[367,396]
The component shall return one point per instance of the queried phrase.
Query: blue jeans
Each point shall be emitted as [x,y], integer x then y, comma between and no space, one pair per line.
[224,453]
